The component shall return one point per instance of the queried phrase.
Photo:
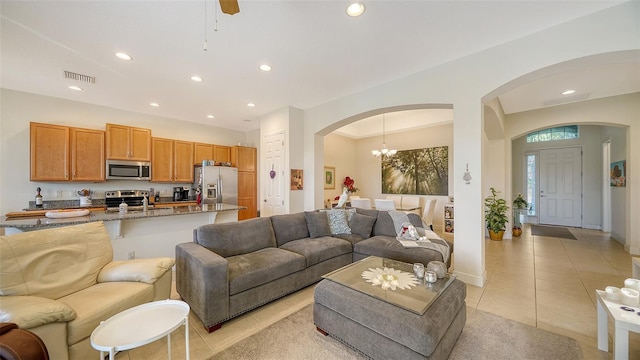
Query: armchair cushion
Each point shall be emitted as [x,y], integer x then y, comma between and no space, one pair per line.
[32,311]
[143,270]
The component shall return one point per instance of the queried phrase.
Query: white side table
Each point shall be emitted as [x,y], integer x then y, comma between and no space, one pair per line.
[623,322]
[141,325]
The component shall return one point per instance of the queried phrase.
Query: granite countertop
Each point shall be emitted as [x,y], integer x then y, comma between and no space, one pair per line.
[33,223]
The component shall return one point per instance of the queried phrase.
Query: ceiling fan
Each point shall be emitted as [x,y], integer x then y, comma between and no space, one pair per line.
[229,6]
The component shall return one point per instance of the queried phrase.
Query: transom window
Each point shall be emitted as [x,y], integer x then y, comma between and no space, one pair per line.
[556,133]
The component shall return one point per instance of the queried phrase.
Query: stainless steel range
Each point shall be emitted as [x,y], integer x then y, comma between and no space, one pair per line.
[133,198]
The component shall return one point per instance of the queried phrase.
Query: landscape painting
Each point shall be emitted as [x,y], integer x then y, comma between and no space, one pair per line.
[417,172]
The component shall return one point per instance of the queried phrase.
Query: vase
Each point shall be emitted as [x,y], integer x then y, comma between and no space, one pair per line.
[497,236]
[516,231]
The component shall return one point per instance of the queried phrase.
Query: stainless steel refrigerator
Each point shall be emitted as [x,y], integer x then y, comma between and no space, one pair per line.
[217,184]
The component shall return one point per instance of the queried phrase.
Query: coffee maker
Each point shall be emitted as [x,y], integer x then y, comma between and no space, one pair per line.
[180,193]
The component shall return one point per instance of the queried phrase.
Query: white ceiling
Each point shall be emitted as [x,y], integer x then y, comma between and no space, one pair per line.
[317,53]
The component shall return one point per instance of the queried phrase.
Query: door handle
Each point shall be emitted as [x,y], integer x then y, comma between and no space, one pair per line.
[265,200]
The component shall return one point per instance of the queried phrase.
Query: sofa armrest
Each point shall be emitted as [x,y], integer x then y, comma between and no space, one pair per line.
[142,270]
[202,280]
[32,311]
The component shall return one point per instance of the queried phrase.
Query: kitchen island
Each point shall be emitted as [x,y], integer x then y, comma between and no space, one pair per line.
[143,234]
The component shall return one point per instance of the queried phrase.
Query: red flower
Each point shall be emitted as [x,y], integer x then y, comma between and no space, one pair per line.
[349,183]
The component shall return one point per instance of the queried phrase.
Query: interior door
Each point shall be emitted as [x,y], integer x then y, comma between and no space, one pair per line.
[273,178]
[561,187]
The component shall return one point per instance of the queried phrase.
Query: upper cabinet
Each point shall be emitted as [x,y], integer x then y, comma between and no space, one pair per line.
[87,155]
[62,153]
[128,143]
[172,160]
[202,152]
[244,158]
[221,154]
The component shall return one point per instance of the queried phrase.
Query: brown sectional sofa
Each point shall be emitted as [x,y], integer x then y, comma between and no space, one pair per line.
[231,268]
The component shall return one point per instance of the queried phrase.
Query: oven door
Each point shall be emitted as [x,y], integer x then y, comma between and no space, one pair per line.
[128,170]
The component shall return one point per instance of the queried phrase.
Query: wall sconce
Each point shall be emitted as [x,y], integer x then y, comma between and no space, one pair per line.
[467,176]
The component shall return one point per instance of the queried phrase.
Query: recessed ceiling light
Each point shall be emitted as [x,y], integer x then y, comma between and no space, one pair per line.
[154,104]
[265,67]
[76,88]
[568,92]
[124,56]
[251,105]
[196,78]
[210,116]
[355,9]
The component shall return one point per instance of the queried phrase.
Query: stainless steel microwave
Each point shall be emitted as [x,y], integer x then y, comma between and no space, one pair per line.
[128,170]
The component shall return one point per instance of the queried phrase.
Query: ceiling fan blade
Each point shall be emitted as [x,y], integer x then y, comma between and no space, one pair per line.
[229,6]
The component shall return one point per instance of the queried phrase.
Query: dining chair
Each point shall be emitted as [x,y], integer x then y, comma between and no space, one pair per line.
[397,199]
[427,213]
[411,204]
[385,204]
[363,203]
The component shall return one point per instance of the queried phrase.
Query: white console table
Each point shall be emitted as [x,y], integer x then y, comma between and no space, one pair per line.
[623,322]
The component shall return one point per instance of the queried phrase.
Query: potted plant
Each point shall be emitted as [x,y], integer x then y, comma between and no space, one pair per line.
[495,215]
[519,204]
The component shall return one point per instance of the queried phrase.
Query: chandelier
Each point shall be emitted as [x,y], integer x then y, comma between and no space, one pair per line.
[384,152]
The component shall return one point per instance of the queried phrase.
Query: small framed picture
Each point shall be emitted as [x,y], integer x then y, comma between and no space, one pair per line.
[296,179]
[329,177]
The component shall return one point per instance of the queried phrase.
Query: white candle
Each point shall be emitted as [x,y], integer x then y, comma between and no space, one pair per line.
[632,284]
[630,297]
[613,293]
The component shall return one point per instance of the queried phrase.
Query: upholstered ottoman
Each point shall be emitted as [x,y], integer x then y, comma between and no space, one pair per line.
[382,330]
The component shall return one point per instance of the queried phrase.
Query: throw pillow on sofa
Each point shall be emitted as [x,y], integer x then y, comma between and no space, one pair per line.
[362,225]
[339,221]
[318,224]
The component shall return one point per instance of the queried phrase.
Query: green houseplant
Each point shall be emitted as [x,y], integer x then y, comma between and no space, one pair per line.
[495,214]
[519,204]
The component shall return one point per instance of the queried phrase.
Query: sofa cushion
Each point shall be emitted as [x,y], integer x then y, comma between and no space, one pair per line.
[53,262]
[247,271]
[317,223]
[352,238]
[368,212]
[101,301]
[317,250]
[384,223]
[362,225]
[389,247]
[289,227]
[235,238]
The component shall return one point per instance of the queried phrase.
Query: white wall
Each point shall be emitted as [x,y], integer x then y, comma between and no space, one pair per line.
[464,83]
[618,139]
[19,108]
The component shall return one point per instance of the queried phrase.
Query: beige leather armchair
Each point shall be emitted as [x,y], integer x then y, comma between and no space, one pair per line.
[60,283]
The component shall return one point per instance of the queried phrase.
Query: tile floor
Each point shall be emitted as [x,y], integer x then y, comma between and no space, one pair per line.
[545,282]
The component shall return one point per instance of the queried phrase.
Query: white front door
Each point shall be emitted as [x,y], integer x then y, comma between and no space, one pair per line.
[561,187]
[273,179]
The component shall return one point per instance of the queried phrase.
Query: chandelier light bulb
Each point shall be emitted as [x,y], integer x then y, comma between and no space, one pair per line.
[385,151]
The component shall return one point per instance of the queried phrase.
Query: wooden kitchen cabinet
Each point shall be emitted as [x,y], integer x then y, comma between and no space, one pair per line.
[221,154]
[244,158]
[171,160]
[202,152]
[87,155]
[128,143]
[49,152]
[62,153]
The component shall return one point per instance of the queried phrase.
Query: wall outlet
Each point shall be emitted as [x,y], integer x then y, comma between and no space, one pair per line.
[58,193]
[132,255]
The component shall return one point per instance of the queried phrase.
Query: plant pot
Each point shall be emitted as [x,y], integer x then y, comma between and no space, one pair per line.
[516,231]
[497,236]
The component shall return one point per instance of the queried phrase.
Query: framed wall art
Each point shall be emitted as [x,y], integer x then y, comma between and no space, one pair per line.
[296,179]
[329,177]
[618,173]
[417,172]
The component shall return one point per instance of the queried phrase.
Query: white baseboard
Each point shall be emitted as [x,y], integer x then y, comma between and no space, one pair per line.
[470,279]
[592,226]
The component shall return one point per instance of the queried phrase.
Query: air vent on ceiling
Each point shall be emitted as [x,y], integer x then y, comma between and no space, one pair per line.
[79,77]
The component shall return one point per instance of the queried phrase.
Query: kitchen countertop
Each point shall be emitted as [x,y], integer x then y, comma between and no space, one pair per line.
[34,223]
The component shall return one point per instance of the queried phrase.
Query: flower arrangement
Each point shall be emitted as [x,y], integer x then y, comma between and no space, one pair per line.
[519,202]
[349,183]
